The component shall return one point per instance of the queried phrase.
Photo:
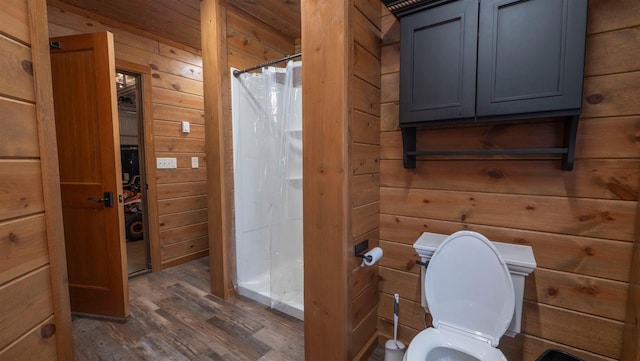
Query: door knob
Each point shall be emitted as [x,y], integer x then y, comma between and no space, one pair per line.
[107,199]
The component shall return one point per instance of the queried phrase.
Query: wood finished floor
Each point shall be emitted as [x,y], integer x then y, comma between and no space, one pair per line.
[173,317]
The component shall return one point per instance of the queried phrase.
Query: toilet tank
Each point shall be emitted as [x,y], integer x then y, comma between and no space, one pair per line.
[519,260]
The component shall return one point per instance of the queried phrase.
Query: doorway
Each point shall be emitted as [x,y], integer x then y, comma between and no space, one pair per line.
[129,95]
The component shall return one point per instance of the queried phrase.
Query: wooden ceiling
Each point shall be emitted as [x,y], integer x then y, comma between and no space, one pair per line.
[179,20]
[283,15]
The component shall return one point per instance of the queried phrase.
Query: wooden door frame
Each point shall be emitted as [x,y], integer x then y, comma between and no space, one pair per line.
[151,228]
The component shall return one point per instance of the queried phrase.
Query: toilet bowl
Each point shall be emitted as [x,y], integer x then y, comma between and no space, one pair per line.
[471,299]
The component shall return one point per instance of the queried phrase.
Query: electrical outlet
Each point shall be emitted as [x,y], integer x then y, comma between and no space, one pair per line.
[166,163]
[194,162]
[186,127]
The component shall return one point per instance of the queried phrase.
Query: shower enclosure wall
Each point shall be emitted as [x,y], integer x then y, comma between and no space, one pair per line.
[267,143]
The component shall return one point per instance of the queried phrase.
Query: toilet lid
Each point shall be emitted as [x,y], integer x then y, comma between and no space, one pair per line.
[469,288]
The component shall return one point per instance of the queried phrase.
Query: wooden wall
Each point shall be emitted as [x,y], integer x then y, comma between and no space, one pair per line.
[365,170]
[581,224]
[180,219]
[35,320]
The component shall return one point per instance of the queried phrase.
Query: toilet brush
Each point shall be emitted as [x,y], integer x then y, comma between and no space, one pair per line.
[394,349]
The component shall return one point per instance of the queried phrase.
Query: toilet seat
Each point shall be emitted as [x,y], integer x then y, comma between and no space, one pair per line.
[471,299]
[433,338]
[469,289]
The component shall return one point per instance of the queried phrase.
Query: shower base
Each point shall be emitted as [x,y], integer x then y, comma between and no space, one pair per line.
[288,304]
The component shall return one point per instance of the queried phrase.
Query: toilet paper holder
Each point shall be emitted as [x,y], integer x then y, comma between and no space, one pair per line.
[369,256]
[361,248]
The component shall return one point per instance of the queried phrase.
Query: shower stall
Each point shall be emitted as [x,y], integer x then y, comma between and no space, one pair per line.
[267,149]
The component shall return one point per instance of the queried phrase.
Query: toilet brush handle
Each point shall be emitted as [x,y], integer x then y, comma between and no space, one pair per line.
[396,305]
[396,313]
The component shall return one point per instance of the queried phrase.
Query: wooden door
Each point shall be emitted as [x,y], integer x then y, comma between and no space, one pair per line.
[83,71]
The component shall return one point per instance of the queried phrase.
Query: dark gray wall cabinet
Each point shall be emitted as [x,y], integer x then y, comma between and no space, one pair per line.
[484,60]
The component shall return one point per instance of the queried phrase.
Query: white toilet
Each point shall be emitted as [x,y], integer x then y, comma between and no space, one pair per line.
[470,294]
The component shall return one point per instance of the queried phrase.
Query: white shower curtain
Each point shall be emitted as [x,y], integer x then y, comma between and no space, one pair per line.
[267,142]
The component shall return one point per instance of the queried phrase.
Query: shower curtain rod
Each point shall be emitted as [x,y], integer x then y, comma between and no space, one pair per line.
[237,73]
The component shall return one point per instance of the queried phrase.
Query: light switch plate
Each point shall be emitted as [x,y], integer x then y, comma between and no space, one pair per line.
[194,162]
[186,127]
[166,163]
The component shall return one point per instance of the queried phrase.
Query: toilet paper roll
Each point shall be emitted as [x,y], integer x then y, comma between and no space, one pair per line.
[373,256]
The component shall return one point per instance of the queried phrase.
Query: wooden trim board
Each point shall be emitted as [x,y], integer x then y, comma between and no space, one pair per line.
[50,176]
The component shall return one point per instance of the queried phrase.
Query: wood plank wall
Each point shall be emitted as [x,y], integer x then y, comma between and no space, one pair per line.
[176,95]
[365,171]
[581,224]
[34,303]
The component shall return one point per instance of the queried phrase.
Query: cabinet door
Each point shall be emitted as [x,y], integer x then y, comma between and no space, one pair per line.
[530,56]
[438,63]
